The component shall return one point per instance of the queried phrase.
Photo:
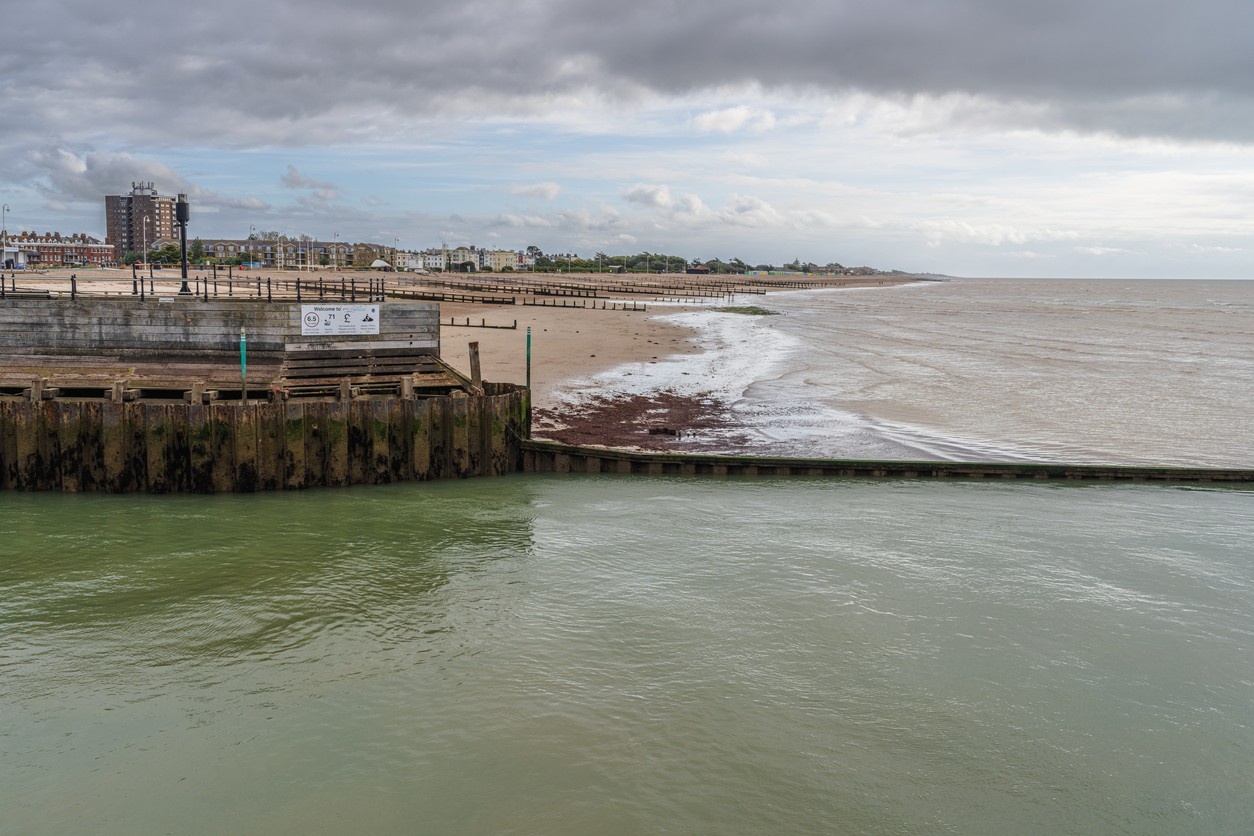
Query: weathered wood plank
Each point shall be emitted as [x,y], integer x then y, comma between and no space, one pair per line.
[295,444]
[399,440]
[337,422]
[459,436]
[419,414]
[360,442]
[270,455]
[200,449]
[8,445]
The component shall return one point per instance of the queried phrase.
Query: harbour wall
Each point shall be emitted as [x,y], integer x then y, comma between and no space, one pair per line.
[551,457]
[96,445]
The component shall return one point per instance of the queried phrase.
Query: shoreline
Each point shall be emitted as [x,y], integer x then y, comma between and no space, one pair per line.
[598,376]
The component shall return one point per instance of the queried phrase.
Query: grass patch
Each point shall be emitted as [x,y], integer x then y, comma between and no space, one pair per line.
[748,310]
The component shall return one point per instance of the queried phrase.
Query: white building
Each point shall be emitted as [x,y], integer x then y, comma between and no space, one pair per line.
[12,258]
[433,259]
[410,261]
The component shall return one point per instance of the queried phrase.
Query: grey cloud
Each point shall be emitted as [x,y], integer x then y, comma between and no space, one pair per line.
[320,191]
[316,72]
[65,174]
[293,179]
[645,194]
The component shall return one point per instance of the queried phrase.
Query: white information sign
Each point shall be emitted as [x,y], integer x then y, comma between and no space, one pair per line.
[338,320]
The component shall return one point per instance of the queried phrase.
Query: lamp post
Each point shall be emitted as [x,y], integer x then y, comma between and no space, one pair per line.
[144,251]
[4,232]
[335,253]
[182,214]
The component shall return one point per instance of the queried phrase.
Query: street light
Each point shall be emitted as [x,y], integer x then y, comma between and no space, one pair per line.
[335,253]
[4,231]
[182,214]
[144,252]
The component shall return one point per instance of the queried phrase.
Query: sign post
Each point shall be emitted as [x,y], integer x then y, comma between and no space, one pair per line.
[339,320]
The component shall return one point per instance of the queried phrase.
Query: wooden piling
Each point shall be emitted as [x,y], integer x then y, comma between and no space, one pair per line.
[121,446]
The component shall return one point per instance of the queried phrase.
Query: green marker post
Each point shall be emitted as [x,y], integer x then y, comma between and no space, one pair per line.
[243,365]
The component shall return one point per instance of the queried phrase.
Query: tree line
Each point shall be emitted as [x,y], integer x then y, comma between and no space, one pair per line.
[650,262]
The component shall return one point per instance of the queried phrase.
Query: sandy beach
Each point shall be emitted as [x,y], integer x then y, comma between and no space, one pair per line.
[569,344]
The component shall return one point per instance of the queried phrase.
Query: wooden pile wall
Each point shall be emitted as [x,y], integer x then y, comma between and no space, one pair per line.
[166,448]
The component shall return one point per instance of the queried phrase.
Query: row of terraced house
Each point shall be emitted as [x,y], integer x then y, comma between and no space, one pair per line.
[52,249]
[298,255]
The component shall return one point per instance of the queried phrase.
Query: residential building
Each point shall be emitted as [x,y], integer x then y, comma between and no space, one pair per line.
[433,259]
[139,218]
[52,249]
[498,260]
[284,254]
[464,259]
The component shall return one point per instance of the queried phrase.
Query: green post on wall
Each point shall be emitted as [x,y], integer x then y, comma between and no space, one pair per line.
[243,365]
[529,361]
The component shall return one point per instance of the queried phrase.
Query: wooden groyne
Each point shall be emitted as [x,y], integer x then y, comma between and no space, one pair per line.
[552,457]
[98,445]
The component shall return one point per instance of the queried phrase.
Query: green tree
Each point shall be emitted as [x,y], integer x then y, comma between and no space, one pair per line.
[196,252]
[169,254]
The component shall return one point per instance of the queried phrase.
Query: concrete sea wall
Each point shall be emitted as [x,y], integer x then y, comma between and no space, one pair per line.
[182,325]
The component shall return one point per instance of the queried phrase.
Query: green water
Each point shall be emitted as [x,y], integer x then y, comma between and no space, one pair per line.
[571,655]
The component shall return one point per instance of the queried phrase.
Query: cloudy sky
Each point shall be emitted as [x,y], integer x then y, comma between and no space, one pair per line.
[968,137]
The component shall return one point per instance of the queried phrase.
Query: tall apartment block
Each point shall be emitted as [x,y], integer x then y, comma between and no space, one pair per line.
[125,215]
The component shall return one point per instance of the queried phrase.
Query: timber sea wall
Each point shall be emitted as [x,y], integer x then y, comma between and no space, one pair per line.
[148,394]
[552,457]
[97,445]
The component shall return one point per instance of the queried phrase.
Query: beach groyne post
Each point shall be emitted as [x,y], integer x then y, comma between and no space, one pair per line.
[476,378]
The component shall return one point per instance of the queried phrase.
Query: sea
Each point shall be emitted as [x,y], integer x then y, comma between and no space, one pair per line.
[622,654]
[1087,371]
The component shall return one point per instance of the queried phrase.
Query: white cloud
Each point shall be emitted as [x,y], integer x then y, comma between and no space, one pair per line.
[992,234]
[746,210]
[537,191]
[734,119]
[1103,251]
[645,194]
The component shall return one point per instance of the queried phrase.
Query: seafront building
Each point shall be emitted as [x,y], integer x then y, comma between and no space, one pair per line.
[52,249]
[138,219]
[144,219]
[284,254]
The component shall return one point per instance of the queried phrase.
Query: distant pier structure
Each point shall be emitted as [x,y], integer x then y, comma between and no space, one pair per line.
[187,394]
